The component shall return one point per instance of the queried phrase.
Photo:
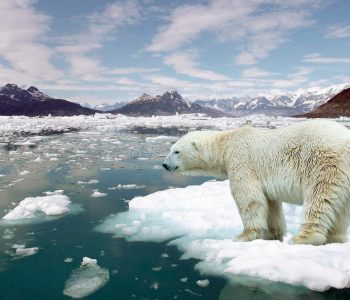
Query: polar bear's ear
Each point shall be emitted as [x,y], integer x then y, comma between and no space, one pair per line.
[195,144]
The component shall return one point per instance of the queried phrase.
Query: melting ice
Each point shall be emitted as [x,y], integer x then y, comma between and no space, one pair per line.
[86,279]
[201,221]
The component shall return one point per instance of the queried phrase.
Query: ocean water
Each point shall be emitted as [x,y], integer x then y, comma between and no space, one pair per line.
[79,164]
[116,166]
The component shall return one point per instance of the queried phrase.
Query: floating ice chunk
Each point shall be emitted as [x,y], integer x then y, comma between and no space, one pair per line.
[92,181]
[39,159]
[57,192]
[162,138]
[86,279]
[97,194]
[31,207]
[127,187]
[155,285]
[2,175]
[143,158]
[24,173]
[201,221]
[19,251]
[203,283]
[68,260]
[8,234]
[184,279]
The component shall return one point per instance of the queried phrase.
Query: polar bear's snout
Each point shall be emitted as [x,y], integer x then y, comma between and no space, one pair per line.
[169,168]
[169,164]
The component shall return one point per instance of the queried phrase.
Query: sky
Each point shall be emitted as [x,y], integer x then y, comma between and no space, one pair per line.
[111,51]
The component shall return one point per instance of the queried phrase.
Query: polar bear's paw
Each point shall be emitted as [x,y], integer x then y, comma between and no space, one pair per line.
[337,238]
[315,238]
[253,234]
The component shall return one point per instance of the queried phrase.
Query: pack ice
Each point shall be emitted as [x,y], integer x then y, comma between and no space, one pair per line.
[201,221]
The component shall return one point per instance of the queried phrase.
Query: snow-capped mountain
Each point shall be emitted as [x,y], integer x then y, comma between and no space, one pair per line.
[337,106]
[108,107]
[276,102]
[166,105]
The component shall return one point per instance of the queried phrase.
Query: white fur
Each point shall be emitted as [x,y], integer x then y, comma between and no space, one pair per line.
[307,163]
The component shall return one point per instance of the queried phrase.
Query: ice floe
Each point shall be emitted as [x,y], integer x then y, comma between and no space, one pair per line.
[86,279]
[19,251]
[42,208]
[127,187]
[201,221]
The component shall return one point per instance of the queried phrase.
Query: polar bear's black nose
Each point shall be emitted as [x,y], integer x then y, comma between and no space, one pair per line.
[166,167]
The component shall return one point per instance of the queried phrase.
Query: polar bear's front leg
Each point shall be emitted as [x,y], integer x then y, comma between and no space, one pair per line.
[254,210]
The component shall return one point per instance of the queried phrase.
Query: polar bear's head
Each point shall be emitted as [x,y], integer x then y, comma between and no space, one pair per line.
[188,154]
[184,154]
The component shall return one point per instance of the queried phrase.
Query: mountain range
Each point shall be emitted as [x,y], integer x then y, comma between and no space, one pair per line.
[276,103]
[170,103]
[31,102]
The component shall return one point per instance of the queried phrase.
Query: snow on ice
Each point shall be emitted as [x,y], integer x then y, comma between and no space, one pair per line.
[201,221]
[86,279]
[35,207]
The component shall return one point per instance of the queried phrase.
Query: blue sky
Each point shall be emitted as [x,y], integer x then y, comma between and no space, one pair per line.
[110,51]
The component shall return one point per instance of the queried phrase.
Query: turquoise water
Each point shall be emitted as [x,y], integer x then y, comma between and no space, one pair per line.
[138,270]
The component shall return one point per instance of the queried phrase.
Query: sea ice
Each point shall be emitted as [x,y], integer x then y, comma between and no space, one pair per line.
[86,279]
[97,194]
[201,221]
[19,251]
[162,138]
[24,173]
[31,207]
[203,283]
[127,187]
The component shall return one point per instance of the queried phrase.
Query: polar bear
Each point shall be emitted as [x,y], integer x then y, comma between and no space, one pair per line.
[306,163]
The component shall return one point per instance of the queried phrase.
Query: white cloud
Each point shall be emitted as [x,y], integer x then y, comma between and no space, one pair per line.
[22,32]
[255,72]
[328,60]
[322,82]
[245,59]
[312,55]
[338,31]
[100,27]
[184,63]
[132,70]
[255,29]
[301,75]
[343,78]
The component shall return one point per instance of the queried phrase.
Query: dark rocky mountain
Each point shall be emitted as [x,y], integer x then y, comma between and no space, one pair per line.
[338,106]
[31,102]
[166,105]
[276,103]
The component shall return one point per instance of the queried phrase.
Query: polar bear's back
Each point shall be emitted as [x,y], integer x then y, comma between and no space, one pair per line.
[293,155]
[323,129]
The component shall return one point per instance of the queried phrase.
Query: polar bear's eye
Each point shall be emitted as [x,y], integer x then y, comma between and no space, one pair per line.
[177,152]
